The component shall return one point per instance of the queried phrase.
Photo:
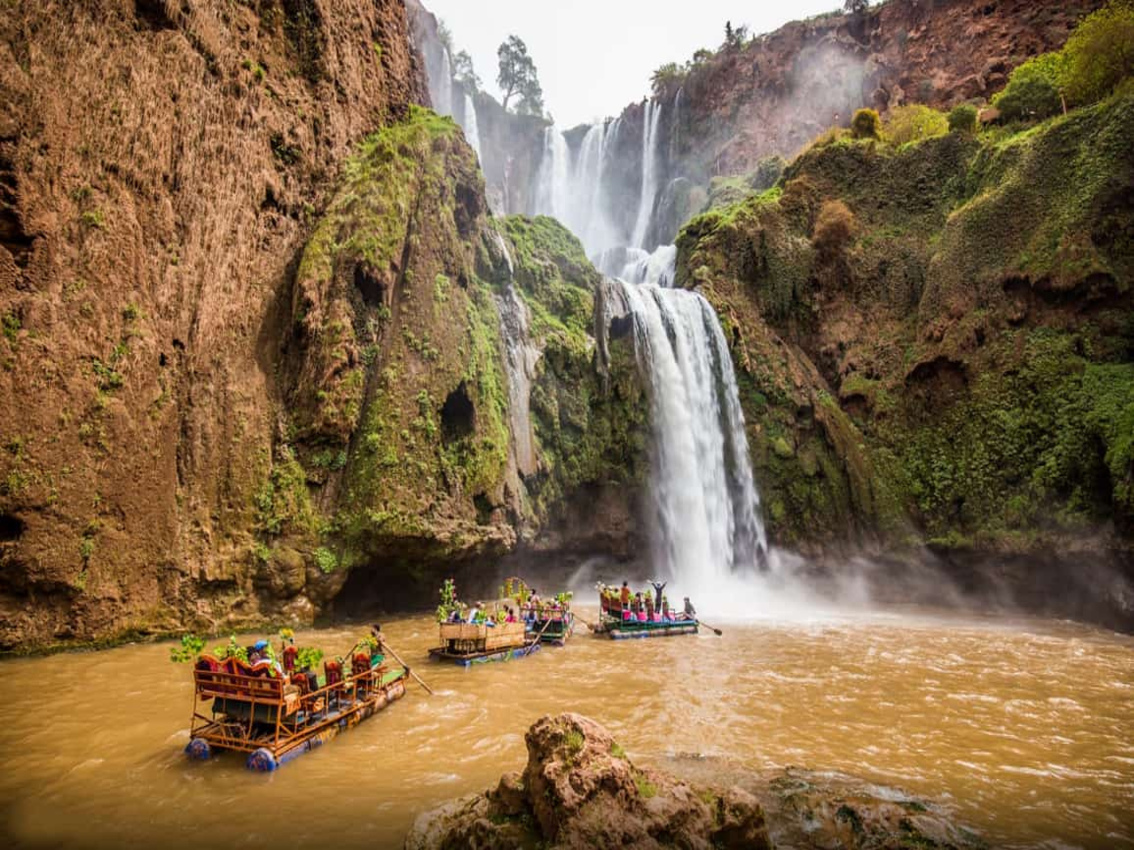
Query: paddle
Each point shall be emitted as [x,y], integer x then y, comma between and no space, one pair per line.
[535,643]
[587,623]
[387,648]
[718,632]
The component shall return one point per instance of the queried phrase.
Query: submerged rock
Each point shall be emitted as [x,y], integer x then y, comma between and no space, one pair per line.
[580,790]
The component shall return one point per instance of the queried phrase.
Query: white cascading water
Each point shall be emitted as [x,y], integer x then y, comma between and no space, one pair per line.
[520,359]
[660,267]
[649,174]
[554,181]
[470,125]
[573,190]
[443,96]
[707,526]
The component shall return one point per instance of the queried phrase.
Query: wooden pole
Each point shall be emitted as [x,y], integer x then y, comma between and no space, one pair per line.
[387,648]
[718,632]
[528,650]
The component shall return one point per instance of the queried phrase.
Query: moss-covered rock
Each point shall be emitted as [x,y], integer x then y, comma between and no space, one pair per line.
[591,429]
[396,460]
[399,408]
[958,372]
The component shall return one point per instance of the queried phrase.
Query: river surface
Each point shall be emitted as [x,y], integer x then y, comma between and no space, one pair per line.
[1024,729]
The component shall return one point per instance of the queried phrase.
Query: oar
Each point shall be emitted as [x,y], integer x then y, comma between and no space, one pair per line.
[718,632]
[587,623]
[387,648]
[535,642]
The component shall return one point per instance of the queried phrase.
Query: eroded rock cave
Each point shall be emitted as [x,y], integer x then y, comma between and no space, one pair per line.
[458,415]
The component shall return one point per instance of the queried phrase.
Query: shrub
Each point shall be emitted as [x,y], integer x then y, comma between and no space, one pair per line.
[325,559]
[1033,90]
[1100,53]
[866,124]
[963,119]
[915,123]
[768,172]
[834,229]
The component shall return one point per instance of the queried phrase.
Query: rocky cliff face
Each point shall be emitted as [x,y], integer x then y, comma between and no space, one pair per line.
[162,163]
[776,94]
[734,107]
[243,353]
[936,345]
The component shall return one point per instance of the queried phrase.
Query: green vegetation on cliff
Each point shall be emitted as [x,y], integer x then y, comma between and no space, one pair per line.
[591,431]
[397,455]
[935,340]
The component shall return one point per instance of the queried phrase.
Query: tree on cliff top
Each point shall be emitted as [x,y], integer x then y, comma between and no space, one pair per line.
[465,74]
[518,76]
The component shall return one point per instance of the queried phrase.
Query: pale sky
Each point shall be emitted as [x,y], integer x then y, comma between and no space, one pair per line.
[596,56]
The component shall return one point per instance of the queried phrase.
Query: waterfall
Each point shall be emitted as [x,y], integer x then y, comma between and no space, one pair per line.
[439,71]
[660,267]
[441,91]
[707,524]
[572,189]
[553,182]
[470,126]
[649,173]
[587,215]
[675,123]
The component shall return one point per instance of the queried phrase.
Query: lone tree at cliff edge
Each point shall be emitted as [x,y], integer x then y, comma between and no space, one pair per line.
[518,76]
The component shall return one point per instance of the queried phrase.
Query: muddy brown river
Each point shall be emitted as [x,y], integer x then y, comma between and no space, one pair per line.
[1023,729]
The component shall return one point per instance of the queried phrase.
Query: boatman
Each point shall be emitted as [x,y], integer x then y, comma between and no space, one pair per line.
[690,611]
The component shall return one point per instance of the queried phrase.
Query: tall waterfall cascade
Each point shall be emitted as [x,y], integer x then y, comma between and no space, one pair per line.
[470,125]
[706,519]
[573,189]
[520,360]
[650,141]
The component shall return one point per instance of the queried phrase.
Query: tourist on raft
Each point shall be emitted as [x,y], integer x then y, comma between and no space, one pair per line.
[658,586]
[261,660]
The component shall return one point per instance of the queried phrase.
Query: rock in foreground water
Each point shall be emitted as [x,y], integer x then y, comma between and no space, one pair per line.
[580,790]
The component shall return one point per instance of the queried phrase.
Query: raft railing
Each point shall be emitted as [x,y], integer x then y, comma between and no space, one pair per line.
[291,715]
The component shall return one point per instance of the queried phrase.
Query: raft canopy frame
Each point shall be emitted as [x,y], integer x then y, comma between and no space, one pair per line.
[491,640]
[273,720]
